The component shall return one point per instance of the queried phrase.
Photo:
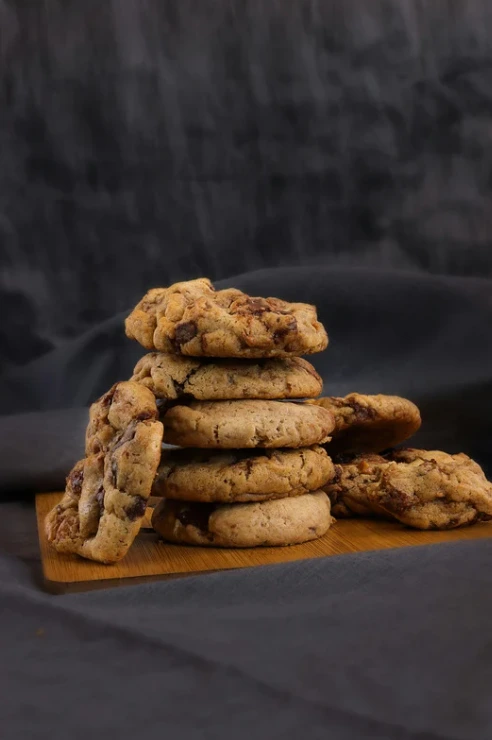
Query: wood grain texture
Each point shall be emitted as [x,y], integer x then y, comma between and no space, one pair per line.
[151,559]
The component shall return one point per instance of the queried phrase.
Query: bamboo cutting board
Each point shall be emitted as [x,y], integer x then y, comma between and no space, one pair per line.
[151,559]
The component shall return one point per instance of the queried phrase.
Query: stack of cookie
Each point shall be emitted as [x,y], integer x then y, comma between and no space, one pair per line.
[250,466]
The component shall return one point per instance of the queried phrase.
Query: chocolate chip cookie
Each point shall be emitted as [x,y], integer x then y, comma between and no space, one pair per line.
[369,423]
[124,403]
[197,475]
[106,494]
[287,521]
[243,424]
[422,489]
[173,377]
[194,319]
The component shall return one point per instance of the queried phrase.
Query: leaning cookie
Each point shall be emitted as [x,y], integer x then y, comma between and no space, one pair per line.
[369,423]
[422,489]
[101,511]
[287,521]
[242,475]
[194,319]
[111,414]
[244,424]
[173,377]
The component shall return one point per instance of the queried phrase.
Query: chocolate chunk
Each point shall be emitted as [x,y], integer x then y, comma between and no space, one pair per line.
[145,415]
[280,334]
[126,436]
[184,333]
[76,479]
[396,501]
[195,515]
[338,475]
[255,306]
[342,458]
[246,306]
[248,463]
[100,499]
[362,413]
[107,399]
[481,517]
[453,522]
[137,509]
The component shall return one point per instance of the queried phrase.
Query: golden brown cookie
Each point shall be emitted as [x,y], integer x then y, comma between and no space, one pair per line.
[106,493]
[173,377]
[286,521]
[422,489]
[244,424]
[369,423]
[192,318]
[197,475]
[125,402]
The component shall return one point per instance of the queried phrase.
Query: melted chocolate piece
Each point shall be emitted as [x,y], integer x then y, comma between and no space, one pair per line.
[137,509]
[76,479]
[195,515]
[145,415]
[184,333]
[342,458]
[100,499]
[280,334]
[397,501]
[107,399]
[251,306]
[362,413]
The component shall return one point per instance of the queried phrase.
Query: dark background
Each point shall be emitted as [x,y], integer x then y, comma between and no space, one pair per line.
[146,142]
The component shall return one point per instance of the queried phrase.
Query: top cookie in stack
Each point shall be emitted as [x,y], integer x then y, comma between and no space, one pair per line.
[195,320]
[227,360]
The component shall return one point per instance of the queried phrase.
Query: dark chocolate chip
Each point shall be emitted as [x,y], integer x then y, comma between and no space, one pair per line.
[185,333]
[362,413]
[107,399]
[145,415]
[100,498]
[76,479]
[137,509]
[195,515]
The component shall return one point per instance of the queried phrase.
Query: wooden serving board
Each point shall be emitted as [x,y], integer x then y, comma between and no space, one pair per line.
[151,559]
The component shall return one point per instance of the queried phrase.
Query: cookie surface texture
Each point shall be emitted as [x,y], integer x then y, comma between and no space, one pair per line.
[420,488]
[194,319]
[287,521]
[245,424]
[241,475]
[370,423]
[106,494]
[110,415]
[173,377]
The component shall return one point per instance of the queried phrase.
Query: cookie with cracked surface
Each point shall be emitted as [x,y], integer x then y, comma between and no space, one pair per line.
[420,488]
[194,319]
[287,521]
[173,377]
[244,424]
[125,402]
[198,475]
[369,423]
[106,494]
